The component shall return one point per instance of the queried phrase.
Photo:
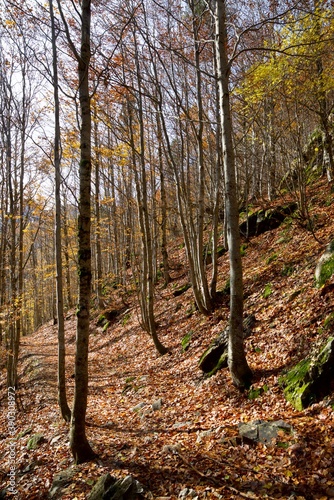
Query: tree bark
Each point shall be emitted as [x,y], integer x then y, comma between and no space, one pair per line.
[62,400]
[240,371]
[80,447]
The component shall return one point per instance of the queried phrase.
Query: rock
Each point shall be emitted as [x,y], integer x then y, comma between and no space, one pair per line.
[179,425]
[124,489]
[188,493]
[265,220]
[215,356]
[325,265]
[101,486]
[208,254]
[110,488]
[311,379]
[179,291]
[202,435]
[260,431]
[185,342]
[60,481]
[157,405]
[35,441]
[139,406]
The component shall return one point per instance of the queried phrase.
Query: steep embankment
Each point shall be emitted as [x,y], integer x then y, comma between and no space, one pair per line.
[188,438]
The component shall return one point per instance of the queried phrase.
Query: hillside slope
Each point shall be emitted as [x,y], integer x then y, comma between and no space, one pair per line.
[189,438]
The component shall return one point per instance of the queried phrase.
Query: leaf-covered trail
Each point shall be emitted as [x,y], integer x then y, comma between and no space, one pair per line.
[158,419]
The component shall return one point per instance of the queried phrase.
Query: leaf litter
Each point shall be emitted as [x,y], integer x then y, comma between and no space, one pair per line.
[158,419]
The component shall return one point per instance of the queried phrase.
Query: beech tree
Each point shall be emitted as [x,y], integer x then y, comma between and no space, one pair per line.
[64,408]
[240,371]
[80,447]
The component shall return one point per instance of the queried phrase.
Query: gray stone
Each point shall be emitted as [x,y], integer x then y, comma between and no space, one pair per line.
[188,493]
[60,481]
[178,425]
[139,406]
[35,441]
[124,489]
[101,486]
[157,405]
[263,432]
[110,488]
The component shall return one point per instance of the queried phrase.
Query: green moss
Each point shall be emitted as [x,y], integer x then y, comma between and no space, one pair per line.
[125,319]
[222,363]
[106,326]
[271,258]
[101,319]
[329,321]
[287,269]
[185,342]
[327,270]
[35,441]
[267,291]
[324,355]
[227,287]
[296,383]
[243,249]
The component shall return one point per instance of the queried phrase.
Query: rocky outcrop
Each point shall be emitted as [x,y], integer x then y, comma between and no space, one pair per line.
[311,379]
[265,220]
[215,356]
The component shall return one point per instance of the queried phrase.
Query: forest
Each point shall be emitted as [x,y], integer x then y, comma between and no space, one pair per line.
[166,194]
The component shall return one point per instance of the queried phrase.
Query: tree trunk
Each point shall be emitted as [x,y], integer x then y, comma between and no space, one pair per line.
[98,266]
[62,400]
[81,449]
[240,371]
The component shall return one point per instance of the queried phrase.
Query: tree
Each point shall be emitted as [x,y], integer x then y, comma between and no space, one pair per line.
[64,408]
[240,371]
[80,447]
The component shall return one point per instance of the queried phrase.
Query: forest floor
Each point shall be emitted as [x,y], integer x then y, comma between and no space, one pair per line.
[189,439]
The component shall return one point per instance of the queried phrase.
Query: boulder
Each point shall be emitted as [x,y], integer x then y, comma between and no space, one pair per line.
[260,431]
[182,289]
[265,220]
[110,488]
[215,356]
[35,441]
[325,265]
[311,379]
[60,481]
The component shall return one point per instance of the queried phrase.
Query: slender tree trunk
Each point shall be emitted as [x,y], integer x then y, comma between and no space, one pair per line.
[68,294]
[62,400]
[199,246]
[147,269]
[164,251]
[216,175]
[240,371]
[98,286]
[81,449]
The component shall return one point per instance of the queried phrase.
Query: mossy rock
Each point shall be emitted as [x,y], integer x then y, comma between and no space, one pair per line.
[214,357]
[311,379]
[182,289]
[110,488]
[35,441]
[325,266]
[266,220]
[185,342]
